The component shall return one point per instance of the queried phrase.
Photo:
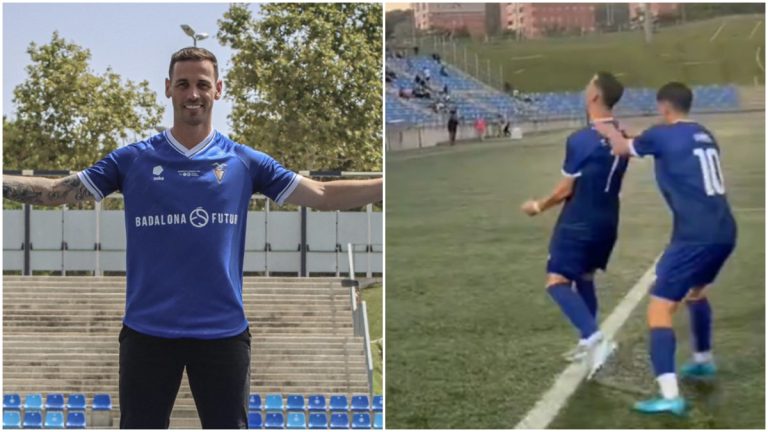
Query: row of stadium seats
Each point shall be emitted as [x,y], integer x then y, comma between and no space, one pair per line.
[315,420]
[473,99]
[295,402]
[34,420]
[55,402]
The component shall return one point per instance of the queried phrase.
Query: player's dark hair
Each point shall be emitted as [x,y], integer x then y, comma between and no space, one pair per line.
[610,87]
[676,94]
[194,54]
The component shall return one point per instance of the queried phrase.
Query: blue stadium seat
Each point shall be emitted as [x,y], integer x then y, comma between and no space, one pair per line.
[318,420]
[339,421]
[378,403]
[54,402]
[339,403]
[254,420]
[102,402]
[54,420]
[294,402]
[296,420]
[274,420]
[361,420]
[360,403]
[11,420]
[378,421]
[76,402]
[316,403]
[33,402]
[75,420]
[254,402]
[11,401]
[32,420]
[274,402]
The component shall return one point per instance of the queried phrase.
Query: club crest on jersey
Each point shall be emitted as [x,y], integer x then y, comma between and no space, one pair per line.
[218,170]
[157,173]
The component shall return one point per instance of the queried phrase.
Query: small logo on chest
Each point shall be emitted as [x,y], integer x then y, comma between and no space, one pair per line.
[218,170]
[157,172]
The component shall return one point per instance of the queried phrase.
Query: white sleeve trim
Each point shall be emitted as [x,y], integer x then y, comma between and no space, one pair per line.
[574,175]
[632,150]
[86,181]
[288,190]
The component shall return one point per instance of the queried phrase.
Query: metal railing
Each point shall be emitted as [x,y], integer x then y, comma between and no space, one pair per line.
[360,317]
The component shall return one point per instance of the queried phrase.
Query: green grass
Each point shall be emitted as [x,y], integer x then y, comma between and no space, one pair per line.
[682,53]
[472,338]
[373,299]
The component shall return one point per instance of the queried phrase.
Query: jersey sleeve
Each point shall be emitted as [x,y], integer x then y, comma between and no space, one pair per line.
[106,175]
[269,177]
[574,157]
[645,144]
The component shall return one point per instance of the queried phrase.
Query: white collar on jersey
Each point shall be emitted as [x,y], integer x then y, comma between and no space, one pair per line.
[185,151]
[604,119]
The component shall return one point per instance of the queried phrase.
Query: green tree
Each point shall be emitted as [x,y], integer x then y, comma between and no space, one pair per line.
[67,117]
[305,82]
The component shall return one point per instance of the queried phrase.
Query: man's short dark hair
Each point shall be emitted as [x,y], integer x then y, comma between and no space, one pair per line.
[193,54]
[610,87]
[676,94]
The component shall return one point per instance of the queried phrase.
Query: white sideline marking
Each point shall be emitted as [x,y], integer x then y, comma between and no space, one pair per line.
[545,410]
[719,29]
[757,25]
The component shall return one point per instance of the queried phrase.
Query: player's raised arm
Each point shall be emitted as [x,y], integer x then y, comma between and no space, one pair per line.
[45,191]
[337,194]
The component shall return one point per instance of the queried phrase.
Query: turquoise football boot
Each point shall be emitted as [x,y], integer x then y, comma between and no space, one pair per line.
[653,406]
[698,370]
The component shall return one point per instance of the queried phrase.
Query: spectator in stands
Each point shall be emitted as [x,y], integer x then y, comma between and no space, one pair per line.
[480,128]
[405,93]
[443,72]
[185,238]
[506,128]
[445,89]
[427,74]
[453,124]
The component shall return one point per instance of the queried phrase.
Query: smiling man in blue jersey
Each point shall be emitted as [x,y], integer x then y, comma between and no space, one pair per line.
[186,193]
[586,230]
[688,173]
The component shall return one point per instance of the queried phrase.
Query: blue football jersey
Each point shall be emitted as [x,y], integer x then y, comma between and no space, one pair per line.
[592,210]
[185,220]
[688,172]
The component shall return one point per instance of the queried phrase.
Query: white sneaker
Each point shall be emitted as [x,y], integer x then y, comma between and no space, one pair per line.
[598,354]
[577,353]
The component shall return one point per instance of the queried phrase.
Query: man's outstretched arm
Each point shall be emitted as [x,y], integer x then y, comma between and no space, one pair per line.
[336,195]
[44,191]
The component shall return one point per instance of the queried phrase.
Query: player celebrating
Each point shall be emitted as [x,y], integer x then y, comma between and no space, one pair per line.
[687,163]
[186,193]
[586,230]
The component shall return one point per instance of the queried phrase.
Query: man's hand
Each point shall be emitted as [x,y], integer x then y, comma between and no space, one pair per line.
[531,207]
[618,142]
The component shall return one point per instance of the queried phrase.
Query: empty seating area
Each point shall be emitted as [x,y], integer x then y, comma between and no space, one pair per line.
[60,334]
[295,411]
[473,99]
[52,412]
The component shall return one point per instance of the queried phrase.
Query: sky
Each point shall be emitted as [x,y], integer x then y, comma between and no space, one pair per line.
[395,6]
[136,40]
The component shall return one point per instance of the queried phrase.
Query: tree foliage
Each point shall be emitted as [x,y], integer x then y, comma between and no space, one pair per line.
[305,82]
[67,117]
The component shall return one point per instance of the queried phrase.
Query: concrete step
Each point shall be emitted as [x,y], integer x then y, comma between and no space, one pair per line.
[121,279]
[74,338]
[253,289]
[254,330]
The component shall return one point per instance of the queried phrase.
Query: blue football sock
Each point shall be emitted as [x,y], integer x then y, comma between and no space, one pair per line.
[586,289]
[574,308]
[701,324]
[663,350]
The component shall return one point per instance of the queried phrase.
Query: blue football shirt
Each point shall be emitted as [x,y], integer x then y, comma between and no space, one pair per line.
[688,172]
[185,220]
[592,210]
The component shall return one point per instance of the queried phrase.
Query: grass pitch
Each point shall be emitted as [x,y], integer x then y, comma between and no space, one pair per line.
[473,340]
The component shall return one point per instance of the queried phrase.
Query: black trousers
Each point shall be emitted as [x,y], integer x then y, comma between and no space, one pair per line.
[151,370]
